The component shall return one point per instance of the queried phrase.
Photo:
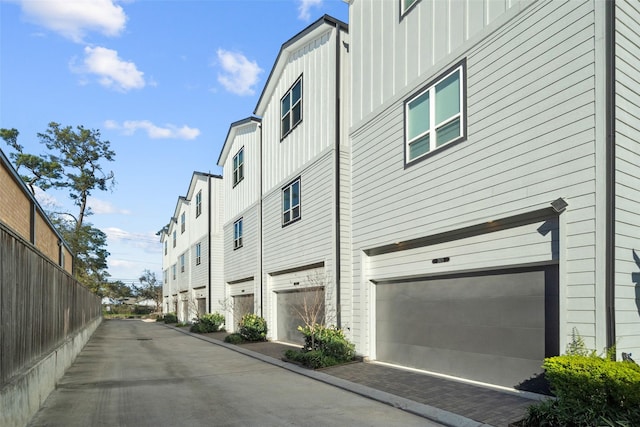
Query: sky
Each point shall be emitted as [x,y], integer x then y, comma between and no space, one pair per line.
[161,80]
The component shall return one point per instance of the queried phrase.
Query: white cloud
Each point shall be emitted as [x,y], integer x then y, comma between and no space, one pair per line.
[304,7]
[103,207]
[240,74]
[47,201]
[112,72]
[129,127]
[74,18]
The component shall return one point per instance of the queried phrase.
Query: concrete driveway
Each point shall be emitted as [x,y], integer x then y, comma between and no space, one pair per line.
[133,373]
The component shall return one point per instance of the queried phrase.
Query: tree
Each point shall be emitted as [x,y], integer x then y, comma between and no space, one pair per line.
[74,162]
[149,288]
[117,290]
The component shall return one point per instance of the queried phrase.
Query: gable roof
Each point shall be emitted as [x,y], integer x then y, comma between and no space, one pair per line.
[231,134]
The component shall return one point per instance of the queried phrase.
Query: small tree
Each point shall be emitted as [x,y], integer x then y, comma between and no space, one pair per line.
[149,288]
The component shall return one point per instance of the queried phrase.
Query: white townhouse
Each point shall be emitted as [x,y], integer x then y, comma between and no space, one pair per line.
[495,182]
[240,160]
[287,220]
[192,257]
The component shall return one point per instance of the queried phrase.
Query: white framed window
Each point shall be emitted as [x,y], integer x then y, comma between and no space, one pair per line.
[198,203]
[198,253]
[173,271]
[174,238]
[183,222]
[436,115]
[291,108]
[238,167]
[182,263]
[166,245]
[237,234]
[291,202]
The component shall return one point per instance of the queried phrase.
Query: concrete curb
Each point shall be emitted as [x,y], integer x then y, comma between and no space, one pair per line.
[425,411]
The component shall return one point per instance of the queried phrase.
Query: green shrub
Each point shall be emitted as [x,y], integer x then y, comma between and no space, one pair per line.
[590,391]
[234,338]
[208,323]
[253,328]
[170,318]
[324,346]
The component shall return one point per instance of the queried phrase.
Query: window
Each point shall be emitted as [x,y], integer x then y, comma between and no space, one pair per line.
[405,5]
[183,222]
[166,245]
[436,115]
[198,203]
[291,202]
[174,238]
[173,271]
[237,234]
[182,263]
[238,167]
[198,253]
[291,108]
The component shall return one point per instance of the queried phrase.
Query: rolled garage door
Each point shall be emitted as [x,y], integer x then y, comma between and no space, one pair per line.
[494,327]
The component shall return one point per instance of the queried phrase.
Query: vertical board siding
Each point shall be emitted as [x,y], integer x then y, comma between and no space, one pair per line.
[531,139]
[239,197]
[40,305]
[426,34]
[627,176]
[317,65]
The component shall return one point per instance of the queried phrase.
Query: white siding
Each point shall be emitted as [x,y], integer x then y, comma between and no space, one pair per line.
[627,178]
[531,139]
[243,262]
[317,65]
[391,52]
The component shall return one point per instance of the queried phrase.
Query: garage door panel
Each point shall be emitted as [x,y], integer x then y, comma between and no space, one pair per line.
[469,325]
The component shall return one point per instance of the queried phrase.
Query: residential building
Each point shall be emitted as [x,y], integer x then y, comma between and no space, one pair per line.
[22,214]
[287,222]
[192,258]
[495,175]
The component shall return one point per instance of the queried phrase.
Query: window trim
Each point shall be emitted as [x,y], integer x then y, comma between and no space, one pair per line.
[182,262]
[462,67]
[237,238]
[288,92]
[183,222]
[282,211]
[198,253]
[237,180]
[175,234]
[403,11]
[198,203]
[173,272]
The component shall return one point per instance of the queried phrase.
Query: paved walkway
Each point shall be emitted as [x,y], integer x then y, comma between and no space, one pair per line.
[443,400]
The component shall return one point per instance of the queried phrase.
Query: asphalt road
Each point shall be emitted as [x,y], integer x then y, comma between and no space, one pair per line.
[133,373]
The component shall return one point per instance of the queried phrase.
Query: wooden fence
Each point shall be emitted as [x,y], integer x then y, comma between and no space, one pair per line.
[40,305]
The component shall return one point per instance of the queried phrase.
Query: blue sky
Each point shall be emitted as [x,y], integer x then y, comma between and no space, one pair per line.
[161,79]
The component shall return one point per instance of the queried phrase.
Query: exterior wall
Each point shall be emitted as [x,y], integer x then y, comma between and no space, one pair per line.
[17,210]
[243,262]
[627,176]
[315,62]
[392,52]
[14,214]
[193,283]
[532,127]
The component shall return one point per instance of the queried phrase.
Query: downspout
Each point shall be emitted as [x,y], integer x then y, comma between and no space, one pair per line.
[337,180]
[610,124]
[260,278]
[209,249]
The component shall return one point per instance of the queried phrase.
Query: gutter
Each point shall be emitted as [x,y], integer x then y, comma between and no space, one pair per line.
[610,149]
[337,180]
[260,217]
[209,249]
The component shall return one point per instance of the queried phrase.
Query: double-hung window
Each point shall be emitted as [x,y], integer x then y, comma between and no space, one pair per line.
[198,253]
[435,117]
[166,244]
[174,238]
[237,234]
[291,108]
[238,166]
[182,263]
[173,272]
[198,203]
[291,202]
[183,222]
